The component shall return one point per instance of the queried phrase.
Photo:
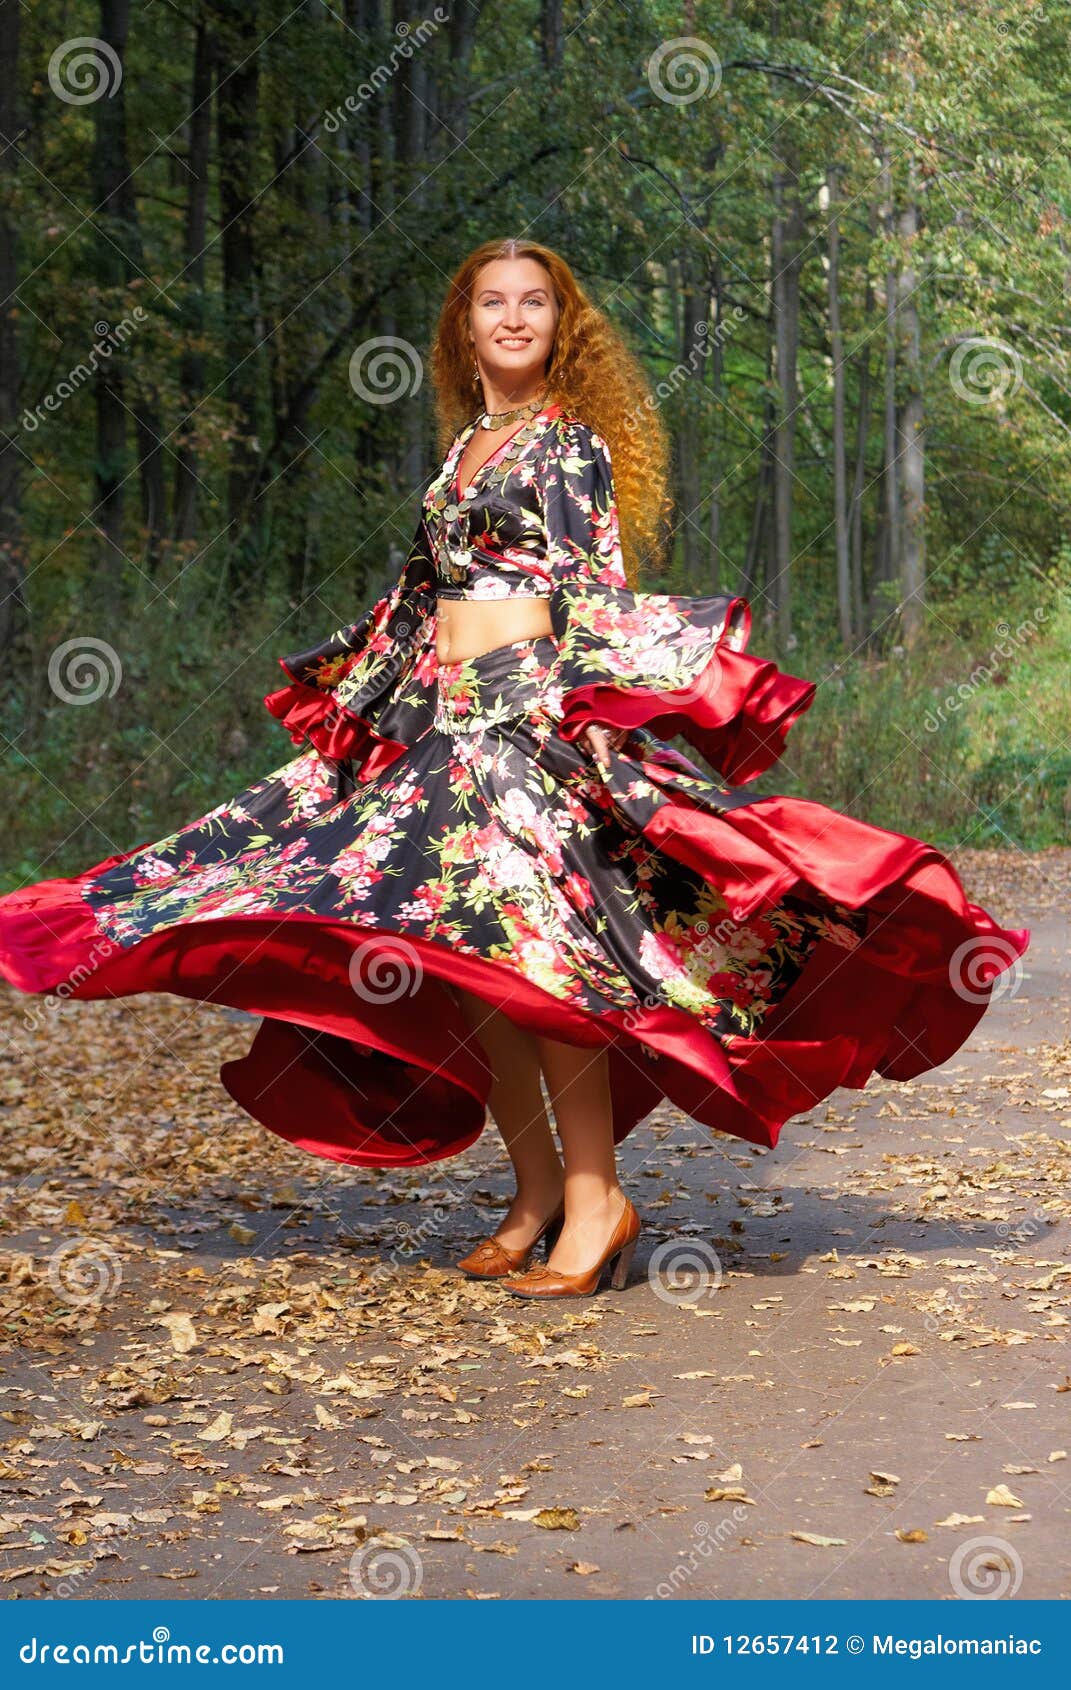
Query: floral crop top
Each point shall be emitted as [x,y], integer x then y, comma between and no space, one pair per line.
[539,519]
[489,540]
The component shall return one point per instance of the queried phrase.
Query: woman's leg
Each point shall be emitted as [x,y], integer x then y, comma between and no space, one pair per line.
[578,1081]
[516,1103]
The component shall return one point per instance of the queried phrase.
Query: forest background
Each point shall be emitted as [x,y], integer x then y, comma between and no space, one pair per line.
[837,236]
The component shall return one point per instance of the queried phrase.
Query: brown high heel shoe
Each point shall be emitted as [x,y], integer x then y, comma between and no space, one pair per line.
[491,1259]
[544,1281]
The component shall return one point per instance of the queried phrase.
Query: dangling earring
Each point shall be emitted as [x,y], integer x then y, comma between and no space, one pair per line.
[475,375]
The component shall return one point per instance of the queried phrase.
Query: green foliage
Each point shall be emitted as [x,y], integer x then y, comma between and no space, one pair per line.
[962,738]
[369,162]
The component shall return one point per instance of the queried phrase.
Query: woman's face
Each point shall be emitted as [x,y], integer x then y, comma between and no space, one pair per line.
[513,319]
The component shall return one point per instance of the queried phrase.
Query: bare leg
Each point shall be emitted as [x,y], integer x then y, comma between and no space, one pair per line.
[516,1103]
[578,1081]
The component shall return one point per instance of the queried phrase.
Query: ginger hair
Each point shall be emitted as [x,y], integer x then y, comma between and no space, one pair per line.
[591,373]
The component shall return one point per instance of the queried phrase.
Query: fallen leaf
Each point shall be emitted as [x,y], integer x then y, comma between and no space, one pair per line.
[1001,1497]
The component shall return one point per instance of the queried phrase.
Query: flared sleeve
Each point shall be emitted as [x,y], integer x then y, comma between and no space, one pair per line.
[362,696]
[671,664]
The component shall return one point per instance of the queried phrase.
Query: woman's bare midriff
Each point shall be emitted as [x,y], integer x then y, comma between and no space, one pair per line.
[470,627]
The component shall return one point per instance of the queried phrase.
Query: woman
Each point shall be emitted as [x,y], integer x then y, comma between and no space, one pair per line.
[485,867]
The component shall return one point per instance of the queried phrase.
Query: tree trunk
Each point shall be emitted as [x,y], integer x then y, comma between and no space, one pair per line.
[888,562]
[786,241]
[192,363]
[840,490]
[238,42]
[122,258]
[754,579]
[551,34]
[715,314]
[911,424]
[862,430]
[693,306]
[113,195]
[12,555]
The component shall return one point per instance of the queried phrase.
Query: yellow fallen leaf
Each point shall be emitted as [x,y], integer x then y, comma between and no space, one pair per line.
[582,1567]
[818,1541]
[241,1234]
[266,1316]
[182,1331]
[915,1536]
[905,1350]
[557,1519]
[1001,1497]
[220,1428]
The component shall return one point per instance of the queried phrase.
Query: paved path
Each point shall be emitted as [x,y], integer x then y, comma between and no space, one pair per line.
[233,1370]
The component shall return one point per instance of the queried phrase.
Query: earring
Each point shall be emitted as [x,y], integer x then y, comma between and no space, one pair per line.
[475,375]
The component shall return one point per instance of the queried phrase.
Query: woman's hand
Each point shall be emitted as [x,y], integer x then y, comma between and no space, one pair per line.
[598,740]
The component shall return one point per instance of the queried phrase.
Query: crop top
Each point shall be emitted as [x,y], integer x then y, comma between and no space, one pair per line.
[489,540]
[539,519]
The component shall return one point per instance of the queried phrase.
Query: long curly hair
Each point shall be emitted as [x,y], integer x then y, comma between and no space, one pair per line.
[592,374]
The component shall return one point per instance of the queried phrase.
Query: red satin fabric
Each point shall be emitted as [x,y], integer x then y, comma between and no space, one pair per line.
[738,713]
[394,1084]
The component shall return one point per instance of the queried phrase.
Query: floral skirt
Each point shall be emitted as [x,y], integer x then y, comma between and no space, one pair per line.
[740,955]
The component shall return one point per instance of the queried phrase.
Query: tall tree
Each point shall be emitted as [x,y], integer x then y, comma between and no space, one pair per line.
[12,560]
[198,137]
[840,476]
[786,249]
[911,420]
[122,383]
[238,44]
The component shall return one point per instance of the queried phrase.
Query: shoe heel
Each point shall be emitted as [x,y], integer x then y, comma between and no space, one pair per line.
[551,1236]
[621,1264]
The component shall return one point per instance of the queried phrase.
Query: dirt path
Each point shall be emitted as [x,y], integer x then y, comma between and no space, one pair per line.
[233,1370]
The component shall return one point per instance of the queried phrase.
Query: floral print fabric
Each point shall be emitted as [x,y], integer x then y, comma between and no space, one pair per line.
[740,955]
[368,691]
[494,836]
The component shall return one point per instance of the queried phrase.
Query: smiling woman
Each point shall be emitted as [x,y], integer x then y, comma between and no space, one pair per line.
[487,869]
[513,323]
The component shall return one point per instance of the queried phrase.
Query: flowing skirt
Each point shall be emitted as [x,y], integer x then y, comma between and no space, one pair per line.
[739,955]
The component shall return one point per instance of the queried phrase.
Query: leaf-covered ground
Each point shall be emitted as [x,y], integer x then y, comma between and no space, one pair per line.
[841,1367]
